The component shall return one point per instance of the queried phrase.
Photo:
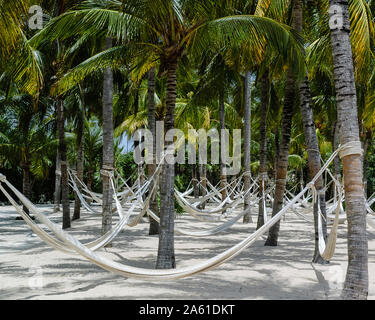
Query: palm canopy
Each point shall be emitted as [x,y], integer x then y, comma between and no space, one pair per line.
[164,30]
[17,58]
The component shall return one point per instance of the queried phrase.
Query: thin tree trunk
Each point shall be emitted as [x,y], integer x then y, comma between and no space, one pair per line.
[313,151]
[365,162]
[26,184]
[194,180]
[247,144]
[166,256]
[277,151]
[57,194]
[223,177]
[356,282]
[108,157]
[79,167]
[154,226]
[64,165]
[265,87]
[203,177]
[282,166]
[313,161]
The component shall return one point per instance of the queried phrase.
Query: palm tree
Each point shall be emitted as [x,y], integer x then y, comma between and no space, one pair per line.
[265,88]
[356,282]
[154,226]
[108,160]
[282,162]
[247,142]
[26,137]
[167,31]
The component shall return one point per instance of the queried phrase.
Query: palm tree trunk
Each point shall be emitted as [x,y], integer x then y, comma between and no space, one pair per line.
[154,226]
[223,177]
[79,167]
[108,158]
[311,140]
[282,165]
[336,142]
[57,194]
[313,161]
[277,150]
[203,177]
[263,145]
[166,256]
[64,165]
[247,145]
[356,282]
[194,180]
[26,183]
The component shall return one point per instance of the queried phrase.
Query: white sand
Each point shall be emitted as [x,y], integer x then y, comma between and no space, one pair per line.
[30,269]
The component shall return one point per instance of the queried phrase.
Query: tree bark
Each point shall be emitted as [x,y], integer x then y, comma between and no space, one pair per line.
[166,255]
[194,180]
[356,282]
[203,177]
[223,177]
[313,162]
[282,166]
[247,145]
[64,165]
[265,87]
[57,194]
[26,183]
[108,157]
[154,226]
[311,140]
[79,167]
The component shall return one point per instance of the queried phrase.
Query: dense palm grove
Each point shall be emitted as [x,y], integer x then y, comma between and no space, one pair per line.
[74,91]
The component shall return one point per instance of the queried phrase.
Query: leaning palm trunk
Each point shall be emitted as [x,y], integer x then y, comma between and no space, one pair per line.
[166,255]
[154,226]
[282,162]
[64,165]
[57,194]
[263,147]
[108,161]
[79,167]
[314,162]
[247,152]
[313,151]
[356,282]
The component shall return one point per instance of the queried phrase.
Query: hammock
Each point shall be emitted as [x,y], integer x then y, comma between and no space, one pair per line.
[167,274]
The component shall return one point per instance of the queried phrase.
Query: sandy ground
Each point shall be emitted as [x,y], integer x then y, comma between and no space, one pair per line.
[30,269]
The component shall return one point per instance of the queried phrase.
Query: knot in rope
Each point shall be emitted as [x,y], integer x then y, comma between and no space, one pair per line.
[2,178]
[311,185]
[247,174]
[58,172]
[107,171]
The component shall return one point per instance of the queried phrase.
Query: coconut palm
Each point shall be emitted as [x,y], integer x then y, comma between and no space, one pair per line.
[356,282]
[167,30]
[26,137]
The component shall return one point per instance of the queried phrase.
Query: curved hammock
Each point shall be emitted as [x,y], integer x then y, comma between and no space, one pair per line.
[167,274]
